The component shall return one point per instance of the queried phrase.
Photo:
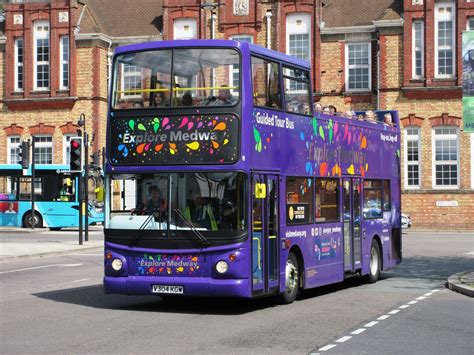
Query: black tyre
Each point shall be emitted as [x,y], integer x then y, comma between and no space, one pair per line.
[292,280]
[375,263]
[29,221]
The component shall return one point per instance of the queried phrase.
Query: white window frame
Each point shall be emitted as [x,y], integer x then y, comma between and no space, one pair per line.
[36,36]
[64,62]
[416,49]
[66,147]
[45,145]
[411,138]
[238,38]
[122,82]
[439,137]
[19,64]
[468,25]
[369,66]
[296,24]
[184,28]
[441,18]
[12,145]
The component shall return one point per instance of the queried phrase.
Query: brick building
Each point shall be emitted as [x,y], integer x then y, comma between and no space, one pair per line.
[365,54]
[54,60]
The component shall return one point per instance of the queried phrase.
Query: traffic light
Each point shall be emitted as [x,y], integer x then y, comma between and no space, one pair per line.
[75,155]
[25,154]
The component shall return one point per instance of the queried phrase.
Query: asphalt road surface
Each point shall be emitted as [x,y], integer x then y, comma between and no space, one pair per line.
[57,305]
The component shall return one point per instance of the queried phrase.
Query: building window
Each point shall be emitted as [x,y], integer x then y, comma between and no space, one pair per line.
[18,64]
[298,41]
[412,157]
[234,79]
[184,28]
[418,50]
[445,157]
[41,50]
[67,148]
[13,150]
[444,40]
[132,80]
[358,66]
[64,56]
[43,149]
[470,24]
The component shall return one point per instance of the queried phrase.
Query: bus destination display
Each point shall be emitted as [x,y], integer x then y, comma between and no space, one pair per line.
[199,139]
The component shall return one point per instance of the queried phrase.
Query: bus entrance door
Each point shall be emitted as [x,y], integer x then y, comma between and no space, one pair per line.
[352,231]
[265,223]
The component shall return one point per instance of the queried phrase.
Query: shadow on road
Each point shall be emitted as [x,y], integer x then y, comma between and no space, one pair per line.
[414,272]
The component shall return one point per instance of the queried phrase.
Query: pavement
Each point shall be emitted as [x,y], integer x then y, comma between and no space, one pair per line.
[21,243]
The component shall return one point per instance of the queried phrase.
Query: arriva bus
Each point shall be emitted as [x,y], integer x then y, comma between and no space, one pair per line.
[221,181]
[56,197]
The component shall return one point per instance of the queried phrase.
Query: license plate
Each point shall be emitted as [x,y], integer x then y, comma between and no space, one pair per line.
[167,289]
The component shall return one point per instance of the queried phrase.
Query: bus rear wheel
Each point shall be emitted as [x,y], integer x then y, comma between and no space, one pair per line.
[375,263]
[30,221]
[292,280]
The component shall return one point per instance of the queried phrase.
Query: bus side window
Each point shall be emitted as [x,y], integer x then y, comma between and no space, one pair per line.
[266,83]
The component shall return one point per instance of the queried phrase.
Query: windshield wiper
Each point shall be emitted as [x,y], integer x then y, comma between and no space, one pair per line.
[138,235]
[198,234]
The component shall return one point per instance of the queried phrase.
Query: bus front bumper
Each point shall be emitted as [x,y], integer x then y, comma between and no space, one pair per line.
[192,286]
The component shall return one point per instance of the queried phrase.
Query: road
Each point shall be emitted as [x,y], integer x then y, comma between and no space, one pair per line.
[56,305]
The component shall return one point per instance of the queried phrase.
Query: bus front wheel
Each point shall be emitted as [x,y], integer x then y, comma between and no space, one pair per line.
[292,280]
[30,221]
[375,263]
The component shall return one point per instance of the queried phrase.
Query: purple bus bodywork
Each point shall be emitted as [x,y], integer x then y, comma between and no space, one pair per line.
[274,143]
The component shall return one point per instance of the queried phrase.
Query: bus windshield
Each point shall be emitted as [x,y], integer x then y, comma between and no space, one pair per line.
[185,201]
[183,77]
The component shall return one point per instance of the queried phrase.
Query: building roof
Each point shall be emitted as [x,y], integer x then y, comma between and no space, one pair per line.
[121,18]
[349,13]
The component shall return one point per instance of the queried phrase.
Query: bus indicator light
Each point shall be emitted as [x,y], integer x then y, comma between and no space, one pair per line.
[232,257]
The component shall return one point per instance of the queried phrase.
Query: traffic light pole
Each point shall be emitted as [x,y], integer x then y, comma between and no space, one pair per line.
[33,220]
[86,185]
[79,193]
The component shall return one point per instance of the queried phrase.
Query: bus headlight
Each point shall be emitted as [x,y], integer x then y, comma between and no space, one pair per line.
[117,264]
[222,267]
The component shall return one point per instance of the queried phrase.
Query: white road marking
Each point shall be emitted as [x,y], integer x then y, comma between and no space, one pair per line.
[358,331]
[81,280]
[395,311]
[327,347]
[428,294]
[100,254]
[404,306]
[371,324]
[40,267]
[469,253]
[383,317]
[343,339]
[420,298]
[412,302]
[436,290]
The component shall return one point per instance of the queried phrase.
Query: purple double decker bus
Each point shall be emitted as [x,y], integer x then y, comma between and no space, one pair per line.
[222,181]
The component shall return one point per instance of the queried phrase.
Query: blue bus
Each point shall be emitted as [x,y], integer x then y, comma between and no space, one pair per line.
[56,197]
[222,181]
